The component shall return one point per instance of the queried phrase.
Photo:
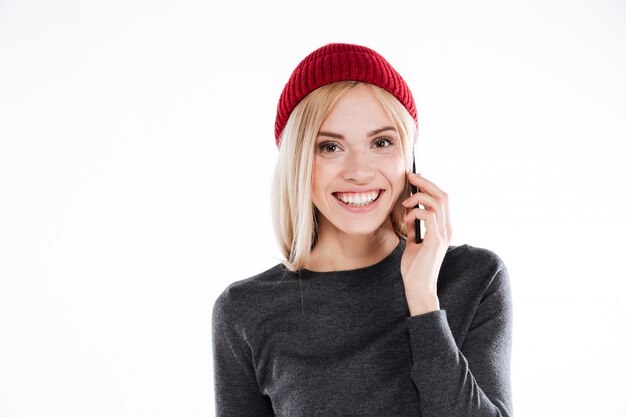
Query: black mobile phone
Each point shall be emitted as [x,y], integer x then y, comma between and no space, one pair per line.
[414,189]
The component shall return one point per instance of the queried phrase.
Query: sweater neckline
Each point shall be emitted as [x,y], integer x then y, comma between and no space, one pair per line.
[358,276]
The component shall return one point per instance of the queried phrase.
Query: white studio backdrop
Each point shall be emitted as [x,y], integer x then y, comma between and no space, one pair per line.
[137,149]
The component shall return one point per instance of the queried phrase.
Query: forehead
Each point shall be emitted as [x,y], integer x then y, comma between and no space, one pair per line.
[357,111]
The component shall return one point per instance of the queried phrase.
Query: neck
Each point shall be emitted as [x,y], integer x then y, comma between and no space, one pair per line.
[337,251]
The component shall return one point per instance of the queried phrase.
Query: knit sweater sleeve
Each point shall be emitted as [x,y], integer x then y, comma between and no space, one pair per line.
[473,380]
[236,389]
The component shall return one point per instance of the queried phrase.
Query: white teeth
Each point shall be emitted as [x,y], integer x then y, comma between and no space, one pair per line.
[358,200]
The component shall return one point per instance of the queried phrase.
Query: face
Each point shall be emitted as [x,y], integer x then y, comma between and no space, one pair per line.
[358,156]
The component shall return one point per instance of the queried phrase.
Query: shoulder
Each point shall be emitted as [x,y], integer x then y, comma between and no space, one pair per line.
[242,290]
[244,295]
[473,268]
[475,258]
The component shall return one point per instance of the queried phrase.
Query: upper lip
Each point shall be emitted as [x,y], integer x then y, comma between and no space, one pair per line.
[361,190]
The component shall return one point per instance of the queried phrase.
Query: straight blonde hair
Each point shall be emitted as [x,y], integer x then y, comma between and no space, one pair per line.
[293,213]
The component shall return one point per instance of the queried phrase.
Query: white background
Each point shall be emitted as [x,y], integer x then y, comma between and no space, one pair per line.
[137,148]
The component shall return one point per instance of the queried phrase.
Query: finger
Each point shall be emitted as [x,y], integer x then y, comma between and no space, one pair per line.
[448,223]
[426,185]
[420,197]
[430,220]
[410,235]
[430,203]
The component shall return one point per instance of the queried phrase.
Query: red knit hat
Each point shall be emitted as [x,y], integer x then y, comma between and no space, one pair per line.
[338,62]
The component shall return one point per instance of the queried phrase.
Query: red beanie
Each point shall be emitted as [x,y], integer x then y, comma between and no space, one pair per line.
[338,62]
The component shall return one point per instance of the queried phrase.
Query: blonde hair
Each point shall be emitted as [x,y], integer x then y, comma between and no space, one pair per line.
[293,212]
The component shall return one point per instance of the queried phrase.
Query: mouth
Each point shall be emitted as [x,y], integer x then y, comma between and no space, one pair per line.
[352,199]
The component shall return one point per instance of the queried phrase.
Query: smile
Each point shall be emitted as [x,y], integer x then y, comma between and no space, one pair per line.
[358,199]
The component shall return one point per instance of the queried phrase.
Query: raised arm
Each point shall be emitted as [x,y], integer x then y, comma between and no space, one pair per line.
[474,380]
[236,388]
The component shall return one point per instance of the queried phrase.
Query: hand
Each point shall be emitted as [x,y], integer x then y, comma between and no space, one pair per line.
[421,262]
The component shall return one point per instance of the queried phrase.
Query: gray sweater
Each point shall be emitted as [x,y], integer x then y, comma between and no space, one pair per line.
[343,343]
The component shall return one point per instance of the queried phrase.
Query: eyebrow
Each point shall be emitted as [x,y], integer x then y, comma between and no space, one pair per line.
[372,133]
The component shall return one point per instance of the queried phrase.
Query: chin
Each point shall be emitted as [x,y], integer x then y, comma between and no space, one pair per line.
[362,224]
[359,228]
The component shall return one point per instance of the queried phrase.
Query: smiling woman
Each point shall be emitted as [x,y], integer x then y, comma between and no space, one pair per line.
[371,131]
[363,166]
[360,317]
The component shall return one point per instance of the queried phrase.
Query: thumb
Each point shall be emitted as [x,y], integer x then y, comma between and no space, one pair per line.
[410,226]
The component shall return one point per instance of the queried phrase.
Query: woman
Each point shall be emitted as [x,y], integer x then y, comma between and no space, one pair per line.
[359,319]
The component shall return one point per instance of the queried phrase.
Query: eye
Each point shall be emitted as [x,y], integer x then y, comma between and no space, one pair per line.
[383,140]
[327,146]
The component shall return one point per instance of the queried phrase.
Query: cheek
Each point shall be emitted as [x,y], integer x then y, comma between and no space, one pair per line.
[322,173]
[393,168]
[395,173]
[319,181]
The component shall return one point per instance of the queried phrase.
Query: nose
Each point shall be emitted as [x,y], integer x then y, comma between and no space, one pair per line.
[358,168]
